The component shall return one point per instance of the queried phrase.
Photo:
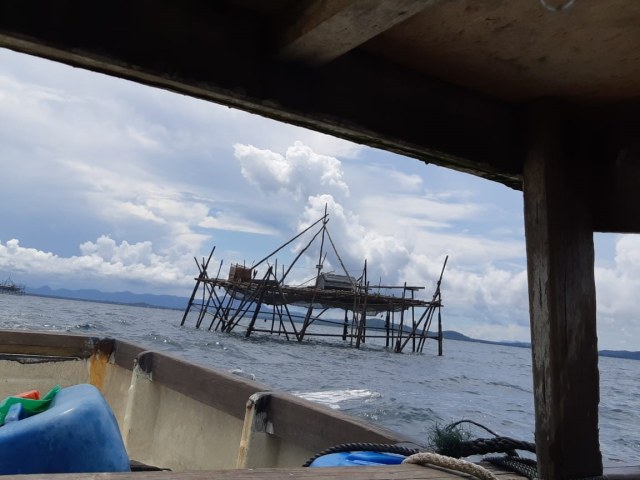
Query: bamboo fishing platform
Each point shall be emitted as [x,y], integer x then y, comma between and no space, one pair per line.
[266,304]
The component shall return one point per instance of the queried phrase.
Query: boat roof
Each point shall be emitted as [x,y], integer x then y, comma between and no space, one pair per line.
[449,78]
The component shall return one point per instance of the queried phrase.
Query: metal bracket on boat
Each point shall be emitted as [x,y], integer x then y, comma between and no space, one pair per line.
[144,364]
[102,345]
[258,411]
[256,424]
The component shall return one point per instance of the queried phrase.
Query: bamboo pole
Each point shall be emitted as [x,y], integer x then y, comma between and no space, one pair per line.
[259,303]
[195,290]
[401,327]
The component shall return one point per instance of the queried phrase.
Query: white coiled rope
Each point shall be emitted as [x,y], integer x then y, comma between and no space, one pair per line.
[427,458]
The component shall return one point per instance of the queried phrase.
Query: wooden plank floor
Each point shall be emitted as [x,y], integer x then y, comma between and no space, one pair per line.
[399,472]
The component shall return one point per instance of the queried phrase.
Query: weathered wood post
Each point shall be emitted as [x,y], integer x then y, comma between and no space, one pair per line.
[195,289]
[562,298]
[345,326]
[439,333]
[387,325]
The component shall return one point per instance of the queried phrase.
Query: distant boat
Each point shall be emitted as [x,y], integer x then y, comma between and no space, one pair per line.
[11,288]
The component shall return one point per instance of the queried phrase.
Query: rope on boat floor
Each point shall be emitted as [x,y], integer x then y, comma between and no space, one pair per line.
[368,447]
[524,466]
[448,444]
[427,458]
[452,441]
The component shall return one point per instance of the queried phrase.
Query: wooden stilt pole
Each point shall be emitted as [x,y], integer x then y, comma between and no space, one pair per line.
[258,303]
[217,305]
[413,325]
[386,327]
[195,289]
[426,316]
[562,298]
[202,305]
[190,303]
[224,318]
[439,332]
[393,327]
[346,325]
[242,309]
[219,308]
[398,348]
[363,319]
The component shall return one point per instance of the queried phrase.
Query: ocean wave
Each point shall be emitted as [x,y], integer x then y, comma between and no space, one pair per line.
[333,398]
[82,326]
[241,373]
[509,385]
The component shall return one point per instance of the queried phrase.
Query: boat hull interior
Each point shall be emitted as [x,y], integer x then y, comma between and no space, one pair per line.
[176,415]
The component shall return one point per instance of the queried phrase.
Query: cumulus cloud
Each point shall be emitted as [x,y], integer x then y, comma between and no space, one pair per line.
[618,287]
[356,242]
[299,171]
[125,254]
[103,262]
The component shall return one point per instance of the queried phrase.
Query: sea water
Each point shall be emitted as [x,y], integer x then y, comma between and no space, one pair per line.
[409,393]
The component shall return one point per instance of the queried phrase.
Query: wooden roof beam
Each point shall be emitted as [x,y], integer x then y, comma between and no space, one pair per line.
[325,30]
[615,197]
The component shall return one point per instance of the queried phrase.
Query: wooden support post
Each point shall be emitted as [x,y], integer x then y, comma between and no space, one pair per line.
[386,327]
[256,311]
[224,318]
[216,316]
[401,327]
[195,289]
[562,301]
[346,324]
[284,304]
[190,302]
[393,327]
[363,317]
[439,333]
[426,317]
[202,306]
[413,322]
[207,288]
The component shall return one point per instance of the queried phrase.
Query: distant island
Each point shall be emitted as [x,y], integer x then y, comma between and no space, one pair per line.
[122,298]
[179,303]
[453,335]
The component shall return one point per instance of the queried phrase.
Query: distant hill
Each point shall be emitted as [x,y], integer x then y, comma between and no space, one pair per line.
[126,298]
[180,303]
[453,335]
[620,354]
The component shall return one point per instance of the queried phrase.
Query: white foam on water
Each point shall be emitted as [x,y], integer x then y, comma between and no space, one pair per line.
[333,398]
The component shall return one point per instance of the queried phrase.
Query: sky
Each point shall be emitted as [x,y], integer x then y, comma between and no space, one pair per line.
[116,186]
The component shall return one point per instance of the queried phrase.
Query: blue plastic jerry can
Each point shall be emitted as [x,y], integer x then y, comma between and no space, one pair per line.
[77,433]
[357,459]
